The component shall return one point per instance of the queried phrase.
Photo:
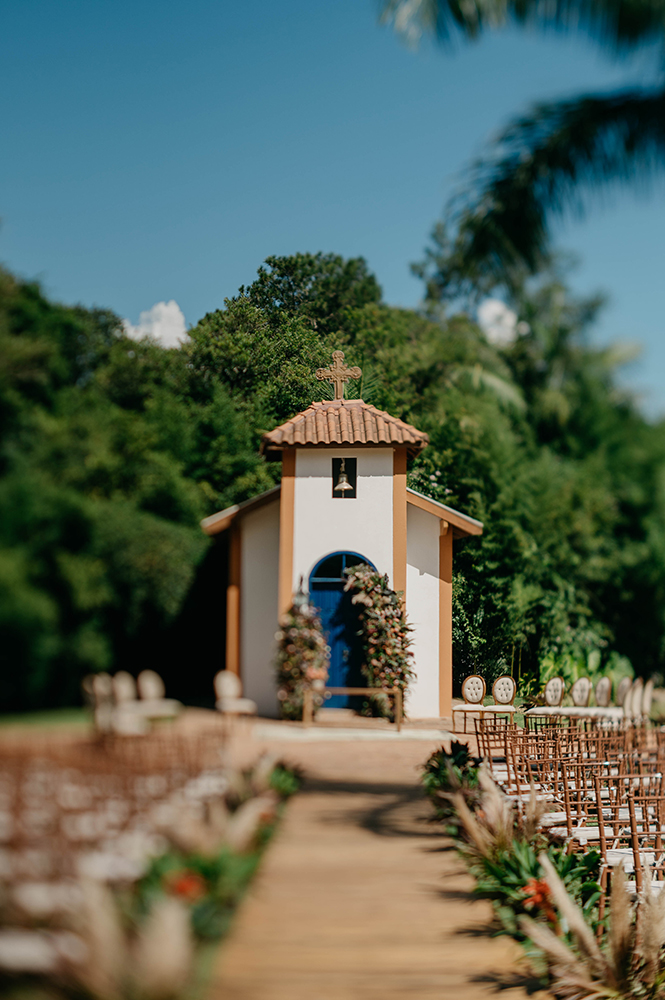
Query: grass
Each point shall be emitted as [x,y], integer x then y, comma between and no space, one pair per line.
[49,718]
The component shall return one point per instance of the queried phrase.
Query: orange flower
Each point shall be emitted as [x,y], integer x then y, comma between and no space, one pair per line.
[538,896]
[186,884]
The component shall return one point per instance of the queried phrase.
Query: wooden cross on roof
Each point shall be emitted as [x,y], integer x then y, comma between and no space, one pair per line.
[338,374]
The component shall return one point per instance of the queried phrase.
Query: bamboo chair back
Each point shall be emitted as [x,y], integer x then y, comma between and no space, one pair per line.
[631,811]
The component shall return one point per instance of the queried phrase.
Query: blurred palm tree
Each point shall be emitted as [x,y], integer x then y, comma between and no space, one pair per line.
[546,161]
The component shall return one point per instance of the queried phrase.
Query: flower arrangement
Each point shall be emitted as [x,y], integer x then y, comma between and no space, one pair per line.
[384,631]
[301,660]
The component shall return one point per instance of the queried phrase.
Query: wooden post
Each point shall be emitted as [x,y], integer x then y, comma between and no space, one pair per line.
[308,707]
[398,709]
[233,602]
[446,622]
[286,512]
[399,521]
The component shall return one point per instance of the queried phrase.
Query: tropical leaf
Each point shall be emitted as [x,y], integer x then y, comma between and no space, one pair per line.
[616,24]
[505,391]
[544,164]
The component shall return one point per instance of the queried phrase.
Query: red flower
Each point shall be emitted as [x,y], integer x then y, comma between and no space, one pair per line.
[186,884]
[538,896]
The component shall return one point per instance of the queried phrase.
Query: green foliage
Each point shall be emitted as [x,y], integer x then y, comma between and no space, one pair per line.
[568,489]
[301,660]
[511,880]
[98,526]
[320,288]
[572,667]
[502,844]
[112,450]
[285,780]
[384,634]
[446,773]
[212,886]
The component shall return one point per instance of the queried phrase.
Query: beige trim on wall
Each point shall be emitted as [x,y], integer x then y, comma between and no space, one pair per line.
[286,515]
[399,520]
[461,524]
[445,621]
[233,601]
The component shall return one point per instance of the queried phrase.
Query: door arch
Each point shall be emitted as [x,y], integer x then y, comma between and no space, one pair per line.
[340,622]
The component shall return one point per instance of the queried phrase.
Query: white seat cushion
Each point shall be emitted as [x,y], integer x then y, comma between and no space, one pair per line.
[582,834]
[236,706]
[157,708]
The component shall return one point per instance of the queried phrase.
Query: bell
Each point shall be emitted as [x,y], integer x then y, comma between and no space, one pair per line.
[343,483]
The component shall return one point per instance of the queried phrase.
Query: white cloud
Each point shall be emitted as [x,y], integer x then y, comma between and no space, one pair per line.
[164,323]
[497,321]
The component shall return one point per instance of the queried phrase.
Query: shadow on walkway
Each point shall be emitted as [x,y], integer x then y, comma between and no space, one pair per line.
[388,810]
[530,984]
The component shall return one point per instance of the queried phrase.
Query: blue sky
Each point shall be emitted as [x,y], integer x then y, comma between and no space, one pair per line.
[157,151]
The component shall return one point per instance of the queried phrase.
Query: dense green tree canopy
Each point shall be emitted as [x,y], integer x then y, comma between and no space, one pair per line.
[112,450]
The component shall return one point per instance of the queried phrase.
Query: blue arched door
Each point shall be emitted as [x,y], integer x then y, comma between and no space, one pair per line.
[339,618]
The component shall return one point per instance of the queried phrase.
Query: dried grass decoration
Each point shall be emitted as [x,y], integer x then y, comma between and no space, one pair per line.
[301,660]
[385,635]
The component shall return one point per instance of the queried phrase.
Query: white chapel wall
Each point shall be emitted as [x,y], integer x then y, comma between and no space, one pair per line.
[325,524]
[259,573]
[422,608]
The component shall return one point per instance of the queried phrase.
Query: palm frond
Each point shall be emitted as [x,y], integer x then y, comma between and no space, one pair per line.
[369,386]
[542,165]
[618,25]
[506,392]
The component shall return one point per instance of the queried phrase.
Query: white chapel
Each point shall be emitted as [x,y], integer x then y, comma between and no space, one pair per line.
[343,499]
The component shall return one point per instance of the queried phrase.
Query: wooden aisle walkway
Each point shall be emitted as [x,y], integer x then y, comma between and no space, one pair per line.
[359,898]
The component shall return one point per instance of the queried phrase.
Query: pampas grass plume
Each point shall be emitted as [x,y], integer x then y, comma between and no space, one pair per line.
[100,928]
[621,933]
[164,951]
[576,922]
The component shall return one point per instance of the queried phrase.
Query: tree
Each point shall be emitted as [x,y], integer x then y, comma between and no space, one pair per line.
[98,525]
[112,450]
[550,159]
[317,287]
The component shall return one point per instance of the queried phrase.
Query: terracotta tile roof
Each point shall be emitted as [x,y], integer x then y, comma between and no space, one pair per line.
[343,422]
